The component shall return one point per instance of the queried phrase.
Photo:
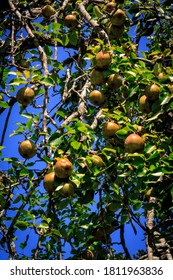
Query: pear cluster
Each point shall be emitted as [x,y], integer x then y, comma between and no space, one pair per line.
[62,169]
[115,27]
[150,95]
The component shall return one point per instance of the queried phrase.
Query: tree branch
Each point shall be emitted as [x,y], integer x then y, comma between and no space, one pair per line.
[150,224]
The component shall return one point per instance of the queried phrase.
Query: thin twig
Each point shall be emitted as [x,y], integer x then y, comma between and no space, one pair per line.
[5,126]
[128,257]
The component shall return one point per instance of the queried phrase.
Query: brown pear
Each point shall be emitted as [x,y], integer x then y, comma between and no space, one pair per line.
[49,182]
[144,105]
[27,149]
[97,161]
[25,96]
[109,129]
[71,20]
[88,255]
[96,97]
[97,77]
[103,59]
[115,32]
[109,7]
[114,81]
[118,17]
[48,11]
[63,168]
[152,91]
[170,86]
[134,143]
[67,189]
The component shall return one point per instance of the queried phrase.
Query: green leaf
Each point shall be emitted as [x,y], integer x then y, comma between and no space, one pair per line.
[82,127]
[4,104]
[56,232]
[165,171]
[88,197]
[18,82]
[141,172]
[65,40]
[29,123]
[157,174]
[150,149]
[160,10]
[47,81]
[75,144]
[2,201]
[47,50]
[43,225]
[61,114]
[18,198]
[77,179]
[63,204]
[166,100]
[155,117]
[55,139]
[55,26]
[24,172]
[131,73]
[47,159]
[97,12]
[42,27]
[122,132]
[124,218]
[69,129]
[22,225]
[136,205]
[109,150]
[73,38]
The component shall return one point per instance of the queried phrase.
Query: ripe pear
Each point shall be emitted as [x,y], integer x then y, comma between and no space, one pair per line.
[63,168]
[97,77]
[114,81]
[109,7]
[49,182]
[96,97]
[115,32]
[103,59]
[134,143]
[48,11]
[170,86]
[25,96]
[97,161]
[71,20]
[118,18]
[27,149]
[67,189]
[152,91]
[144,105]
[109,129]
[161,75]
[88,255]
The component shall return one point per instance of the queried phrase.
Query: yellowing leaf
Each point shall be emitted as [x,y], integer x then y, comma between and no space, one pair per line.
[27,74]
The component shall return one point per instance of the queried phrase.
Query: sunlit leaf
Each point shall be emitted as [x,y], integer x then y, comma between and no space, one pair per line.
[47,82]
[4,104]
[75,144]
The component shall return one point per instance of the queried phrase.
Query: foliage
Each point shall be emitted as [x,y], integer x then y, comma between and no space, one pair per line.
[133,189]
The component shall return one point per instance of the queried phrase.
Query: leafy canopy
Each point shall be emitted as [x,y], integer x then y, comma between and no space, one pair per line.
[40,50]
